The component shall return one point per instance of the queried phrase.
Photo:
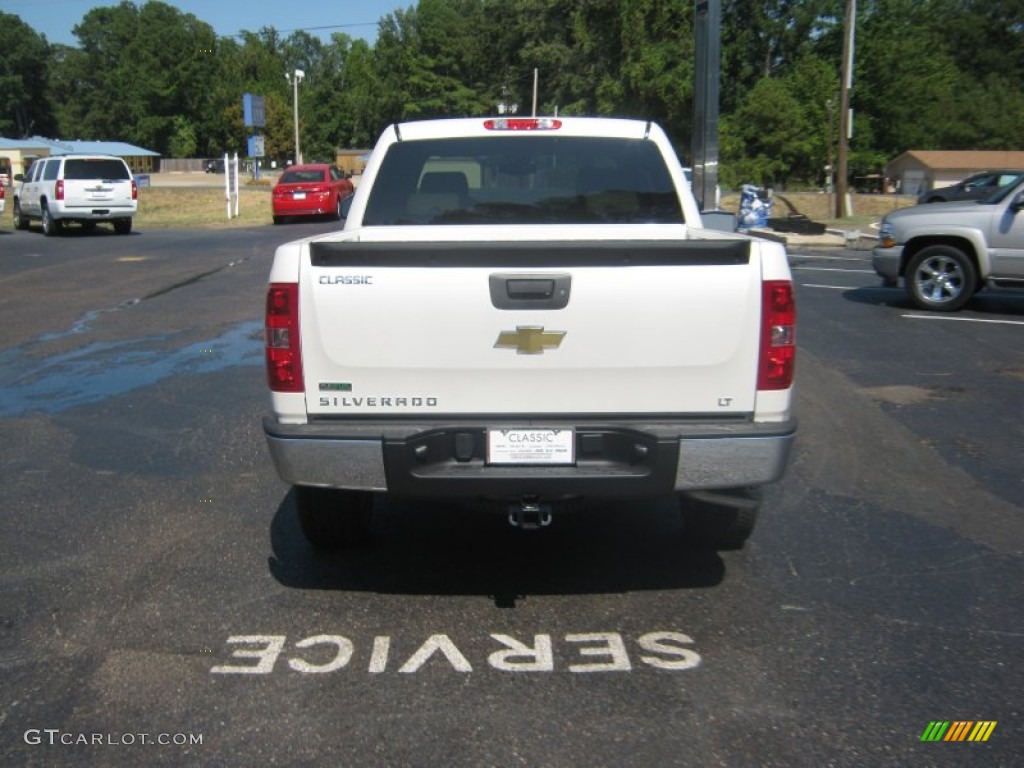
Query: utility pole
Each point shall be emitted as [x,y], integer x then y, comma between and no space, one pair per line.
[536,75]
[845,117]
[830,169]
[295,80]
[704,143]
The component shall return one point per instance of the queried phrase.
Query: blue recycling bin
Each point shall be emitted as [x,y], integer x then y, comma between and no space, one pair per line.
[755,207]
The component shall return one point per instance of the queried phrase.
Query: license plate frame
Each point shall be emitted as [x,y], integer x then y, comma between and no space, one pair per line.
[531,446]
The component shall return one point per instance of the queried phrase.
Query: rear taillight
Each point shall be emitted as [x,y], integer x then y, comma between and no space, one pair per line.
[284,357]
[778,335]
[59,191]
[1,190]
[135,190]
[522,124]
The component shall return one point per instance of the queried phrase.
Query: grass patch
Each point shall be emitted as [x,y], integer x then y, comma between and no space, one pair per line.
[185,208]
[201,207]
[191,207]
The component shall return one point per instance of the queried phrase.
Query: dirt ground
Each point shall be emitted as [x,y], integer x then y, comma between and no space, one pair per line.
[821,207]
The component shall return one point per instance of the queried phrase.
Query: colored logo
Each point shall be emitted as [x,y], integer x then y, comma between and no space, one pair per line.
[958,730]
[529,340]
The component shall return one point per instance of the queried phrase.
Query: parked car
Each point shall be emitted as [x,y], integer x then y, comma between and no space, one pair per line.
[215,166]
[972,188]
[946,252]
[2,201]
[314,189]
[76,188]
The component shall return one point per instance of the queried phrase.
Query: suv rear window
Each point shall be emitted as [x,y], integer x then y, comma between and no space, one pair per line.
[523,180]
[99,168]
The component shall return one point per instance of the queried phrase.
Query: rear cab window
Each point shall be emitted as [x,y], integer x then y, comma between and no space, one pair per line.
[523,180]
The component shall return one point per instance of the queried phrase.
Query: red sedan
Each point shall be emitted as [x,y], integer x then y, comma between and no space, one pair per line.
[315,189]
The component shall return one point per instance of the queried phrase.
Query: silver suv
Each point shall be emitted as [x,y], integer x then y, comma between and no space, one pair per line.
[80,188]
[946,252]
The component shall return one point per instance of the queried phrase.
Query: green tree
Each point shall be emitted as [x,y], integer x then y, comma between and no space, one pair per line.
[183,138]
[136,70]
[24,104]
[772,130]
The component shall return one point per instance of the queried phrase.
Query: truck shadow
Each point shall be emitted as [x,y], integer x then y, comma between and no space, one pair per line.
[449,549]
[983,303]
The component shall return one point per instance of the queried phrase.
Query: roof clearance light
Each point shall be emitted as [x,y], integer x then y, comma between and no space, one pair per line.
[522,124]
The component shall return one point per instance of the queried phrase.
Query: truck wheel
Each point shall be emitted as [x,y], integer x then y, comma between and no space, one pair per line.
[940,278]
[332,518]
[718,523]
[20,221]
[51,226]
[122,226]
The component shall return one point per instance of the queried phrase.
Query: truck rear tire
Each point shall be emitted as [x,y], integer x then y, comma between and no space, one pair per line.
[331,518]
[122,226]
[713,523]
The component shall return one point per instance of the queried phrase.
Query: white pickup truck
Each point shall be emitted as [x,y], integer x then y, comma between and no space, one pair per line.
[526,313]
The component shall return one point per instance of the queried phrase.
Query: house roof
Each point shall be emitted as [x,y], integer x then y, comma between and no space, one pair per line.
[967,160]
[21,144]
[117,148]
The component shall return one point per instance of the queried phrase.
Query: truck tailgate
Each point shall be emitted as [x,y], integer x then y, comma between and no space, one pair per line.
[530,328]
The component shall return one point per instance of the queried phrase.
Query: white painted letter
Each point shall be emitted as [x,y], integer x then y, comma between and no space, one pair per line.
[273,645]
[654,642]
[379,659]
[613,647]
[435,643]
[340,659]
[540,655]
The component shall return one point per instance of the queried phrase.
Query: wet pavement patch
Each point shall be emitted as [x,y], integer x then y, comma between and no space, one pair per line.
[100,370]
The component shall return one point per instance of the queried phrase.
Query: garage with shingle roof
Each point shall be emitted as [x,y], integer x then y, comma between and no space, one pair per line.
[917,171]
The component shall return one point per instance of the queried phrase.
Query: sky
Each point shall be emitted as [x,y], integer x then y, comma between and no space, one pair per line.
[357,18]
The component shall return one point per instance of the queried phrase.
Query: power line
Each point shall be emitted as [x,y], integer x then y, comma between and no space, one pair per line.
[315,29]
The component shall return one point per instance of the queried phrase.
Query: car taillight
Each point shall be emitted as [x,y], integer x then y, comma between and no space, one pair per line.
[135,190]
[523,124]
[59,192]
[284,357]
[778,335]
[1,190]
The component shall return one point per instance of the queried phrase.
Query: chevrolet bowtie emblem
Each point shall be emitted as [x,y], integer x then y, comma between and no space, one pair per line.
[529,339]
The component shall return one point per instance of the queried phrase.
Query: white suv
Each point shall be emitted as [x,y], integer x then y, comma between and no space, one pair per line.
[81,188]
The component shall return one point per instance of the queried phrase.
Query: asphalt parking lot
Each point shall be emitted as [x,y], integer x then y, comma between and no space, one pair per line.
[158,604]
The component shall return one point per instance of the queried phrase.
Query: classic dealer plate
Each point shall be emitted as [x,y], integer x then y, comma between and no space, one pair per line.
[531,446]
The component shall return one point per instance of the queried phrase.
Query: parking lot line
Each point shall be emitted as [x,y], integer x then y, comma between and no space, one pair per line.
[964,319]
[832,269]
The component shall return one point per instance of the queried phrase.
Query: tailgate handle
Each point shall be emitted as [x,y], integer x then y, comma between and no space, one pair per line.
[529,288]
[530,291]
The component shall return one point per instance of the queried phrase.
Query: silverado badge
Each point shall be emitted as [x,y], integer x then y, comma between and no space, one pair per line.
[529,339]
